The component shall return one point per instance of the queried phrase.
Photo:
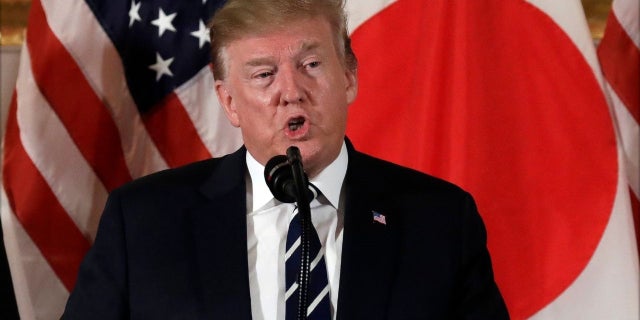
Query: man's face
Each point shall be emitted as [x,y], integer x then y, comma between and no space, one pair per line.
[288,86]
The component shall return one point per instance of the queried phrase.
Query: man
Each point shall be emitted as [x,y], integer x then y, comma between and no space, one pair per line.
[207,241]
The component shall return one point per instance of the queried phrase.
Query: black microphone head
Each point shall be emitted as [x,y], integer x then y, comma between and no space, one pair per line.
[279,178]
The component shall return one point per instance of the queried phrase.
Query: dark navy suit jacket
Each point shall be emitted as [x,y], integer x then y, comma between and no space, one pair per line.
[173,245]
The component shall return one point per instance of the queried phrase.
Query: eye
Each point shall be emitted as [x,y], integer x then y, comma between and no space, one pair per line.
[263,75]
[313,64]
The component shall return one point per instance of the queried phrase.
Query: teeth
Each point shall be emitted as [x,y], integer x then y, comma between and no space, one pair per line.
[296,124]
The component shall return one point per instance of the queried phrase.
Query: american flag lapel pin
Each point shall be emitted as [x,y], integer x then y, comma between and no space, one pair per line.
[379,217]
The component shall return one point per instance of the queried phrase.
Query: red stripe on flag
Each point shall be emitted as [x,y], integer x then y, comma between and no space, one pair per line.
[81,111]
[620,60]
[174,134]
[38,209]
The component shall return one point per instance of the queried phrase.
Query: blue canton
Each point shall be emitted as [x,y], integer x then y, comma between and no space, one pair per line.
[162,43]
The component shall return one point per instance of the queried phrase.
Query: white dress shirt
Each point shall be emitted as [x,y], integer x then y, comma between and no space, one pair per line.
[267,225]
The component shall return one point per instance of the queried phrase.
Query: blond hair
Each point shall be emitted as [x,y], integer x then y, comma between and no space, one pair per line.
[238,18]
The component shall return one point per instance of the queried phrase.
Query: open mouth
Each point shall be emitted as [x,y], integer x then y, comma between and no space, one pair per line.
[296,123]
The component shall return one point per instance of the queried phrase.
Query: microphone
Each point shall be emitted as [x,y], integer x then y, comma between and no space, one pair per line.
[288,183]
[278,173]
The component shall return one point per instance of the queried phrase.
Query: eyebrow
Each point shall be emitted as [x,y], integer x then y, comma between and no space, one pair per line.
[308,46]
[305,47]
[259,62]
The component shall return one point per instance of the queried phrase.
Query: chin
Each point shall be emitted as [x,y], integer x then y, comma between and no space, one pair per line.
[315,157]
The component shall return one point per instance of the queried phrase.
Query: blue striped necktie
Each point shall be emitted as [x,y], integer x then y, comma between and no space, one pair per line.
[319,306]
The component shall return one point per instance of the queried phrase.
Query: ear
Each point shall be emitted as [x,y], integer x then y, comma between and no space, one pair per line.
[227,103]
[352,85]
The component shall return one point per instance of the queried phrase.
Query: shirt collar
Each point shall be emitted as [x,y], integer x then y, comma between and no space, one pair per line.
[329,180]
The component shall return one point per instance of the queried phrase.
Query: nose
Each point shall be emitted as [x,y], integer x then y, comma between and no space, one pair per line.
[291,86]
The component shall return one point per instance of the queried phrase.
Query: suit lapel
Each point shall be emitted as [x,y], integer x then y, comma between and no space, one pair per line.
[368,258]
[221,241]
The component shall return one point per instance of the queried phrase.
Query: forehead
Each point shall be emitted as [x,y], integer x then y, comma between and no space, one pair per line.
[289,38]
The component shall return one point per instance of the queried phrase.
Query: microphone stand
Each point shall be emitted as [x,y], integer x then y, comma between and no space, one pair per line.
[304,210]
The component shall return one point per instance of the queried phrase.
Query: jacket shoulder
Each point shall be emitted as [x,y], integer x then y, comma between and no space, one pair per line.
[190,174]
[395,178]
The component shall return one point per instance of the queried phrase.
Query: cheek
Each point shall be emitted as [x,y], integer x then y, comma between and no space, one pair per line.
[261,100]
[251,107]
[257,118]
[336,116]
[333,98]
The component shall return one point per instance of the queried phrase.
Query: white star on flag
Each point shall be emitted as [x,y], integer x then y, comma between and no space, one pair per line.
[161,67]
[202,34]
[134,12]
[164,22]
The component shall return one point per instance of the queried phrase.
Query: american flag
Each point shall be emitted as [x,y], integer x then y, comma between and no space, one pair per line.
[505,98]
[619,55]
[107,91]
[379,218]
